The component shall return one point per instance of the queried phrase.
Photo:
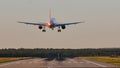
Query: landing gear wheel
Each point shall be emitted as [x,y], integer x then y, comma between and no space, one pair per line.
[59,30]
[43,30]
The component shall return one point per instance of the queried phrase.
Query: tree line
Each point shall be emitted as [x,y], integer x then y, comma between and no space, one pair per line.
[58,53]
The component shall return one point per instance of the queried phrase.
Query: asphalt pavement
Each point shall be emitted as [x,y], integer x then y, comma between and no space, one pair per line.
[67,63]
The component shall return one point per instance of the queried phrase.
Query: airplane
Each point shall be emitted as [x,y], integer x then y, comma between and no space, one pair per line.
[51,23]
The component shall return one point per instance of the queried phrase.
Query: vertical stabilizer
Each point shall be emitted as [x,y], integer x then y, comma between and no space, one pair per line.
[50,14]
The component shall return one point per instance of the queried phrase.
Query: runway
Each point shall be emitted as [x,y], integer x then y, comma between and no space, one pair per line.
[42,63]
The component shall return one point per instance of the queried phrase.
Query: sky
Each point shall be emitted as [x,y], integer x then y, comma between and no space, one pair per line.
[100,30]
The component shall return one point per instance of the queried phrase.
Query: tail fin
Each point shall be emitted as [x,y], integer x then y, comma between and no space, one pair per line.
[50,14]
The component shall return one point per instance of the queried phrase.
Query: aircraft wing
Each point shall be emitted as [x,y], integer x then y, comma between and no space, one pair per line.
[68,23]
[40,23]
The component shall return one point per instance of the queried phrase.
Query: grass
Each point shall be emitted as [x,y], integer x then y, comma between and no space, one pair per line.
[111,60]
[2,60]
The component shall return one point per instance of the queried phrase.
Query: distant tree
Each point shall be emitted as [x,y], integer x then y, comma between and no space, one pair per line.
[59,53]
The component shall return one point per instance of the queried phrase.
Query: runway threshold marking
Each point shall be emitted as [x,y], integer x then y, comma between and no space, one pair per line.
[95,63]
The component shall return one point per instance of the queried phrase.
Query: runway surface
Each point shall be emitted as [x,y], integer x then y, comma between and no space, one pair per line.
[42,63]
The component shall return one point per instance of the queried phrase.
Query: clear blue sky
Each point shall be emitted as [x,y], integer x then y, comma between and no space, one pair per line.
[102,27]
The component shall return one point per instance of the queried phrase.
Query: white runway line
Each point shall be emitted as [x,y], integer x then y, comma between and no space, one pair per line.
[95,63]
[81,62]
[69,62]
[5,64]
[63,61]
[17,62]
[41,62]
[73,61]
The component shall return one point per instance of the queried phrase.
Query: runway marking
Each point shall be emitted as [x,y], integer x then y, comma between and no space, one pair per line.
[81,62]
[17,62]
[54,63]
[5,64]
[95,63]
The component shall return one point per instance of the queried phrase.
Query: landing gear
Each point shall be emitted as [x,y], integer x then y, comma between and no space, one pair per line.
[52,28]
[43,30]
[59,30]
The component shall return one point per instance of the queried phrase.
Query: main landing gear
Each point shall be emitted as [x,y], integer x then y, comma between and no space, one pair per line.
[44,29]
[59,30]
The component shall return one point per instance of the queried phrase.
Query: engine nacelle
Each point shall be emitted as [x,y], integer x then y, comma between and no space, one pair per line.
[40,27]
[63,26]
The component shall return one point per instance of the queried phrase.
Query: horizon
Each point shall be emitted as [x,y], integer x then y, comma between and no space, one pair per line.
[59,48]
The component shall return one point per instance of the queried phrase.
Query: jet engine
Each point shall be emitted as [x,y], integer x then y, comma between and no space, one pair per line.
[40,27]
[63,27]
